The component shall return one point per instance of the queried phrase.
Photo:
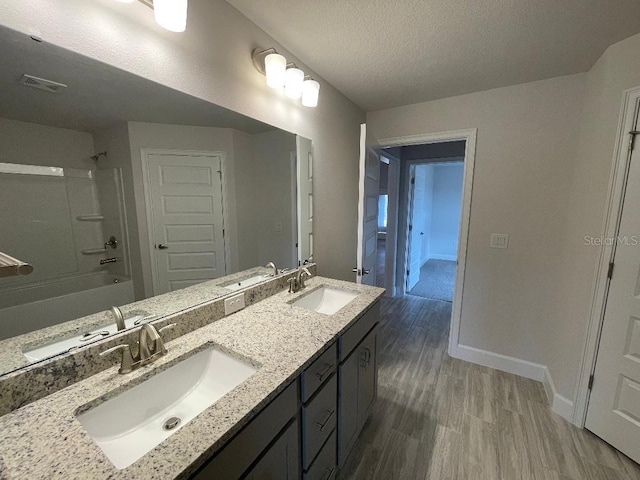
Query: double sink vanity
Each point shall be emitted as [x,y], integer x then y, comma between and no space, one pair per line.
[279,389]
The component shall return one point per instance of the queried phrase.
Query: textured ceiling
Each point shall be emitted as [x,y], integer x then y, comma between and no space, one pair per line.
[385,53]
[98,95]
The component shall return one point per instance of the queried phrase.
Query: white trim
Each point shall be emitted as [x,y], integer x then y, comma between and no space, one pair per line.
[144,156]
[432,256]
[600,286]
[535,371]
[559,404]
[517,366]
[361,180]
[469,136]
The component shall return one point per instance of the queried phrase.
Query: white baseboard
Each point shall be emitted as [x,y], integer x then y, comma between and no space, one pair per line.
[559,404]
[451,258]
[535,371]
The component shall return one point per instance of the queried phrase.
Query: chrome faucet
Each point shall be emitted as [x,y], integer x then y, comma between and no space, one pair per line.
[151,347]
[297,283]
[119,317]
[275,269]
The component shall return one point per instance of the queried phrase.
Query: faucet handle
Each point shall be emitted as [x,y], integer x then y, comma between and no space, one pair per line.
[166,327]
[292,284]
[127,360]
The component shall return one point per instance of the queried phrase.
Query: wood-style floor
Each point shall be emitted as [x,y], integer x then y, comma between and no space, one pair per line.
[438,418]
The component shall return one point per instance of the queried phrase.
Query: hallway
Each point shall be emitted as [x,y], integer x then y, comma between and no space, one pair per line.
[439,418]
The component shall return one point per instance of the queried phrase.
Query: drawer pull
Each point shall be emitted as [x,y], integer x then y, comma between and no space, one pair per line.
[330,470]
[329,367]
[322,425]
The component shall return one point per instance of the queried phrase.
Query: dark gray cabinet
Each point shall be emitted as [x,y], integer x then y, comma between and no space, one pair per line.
[280,461]
[358,380]
[272,436]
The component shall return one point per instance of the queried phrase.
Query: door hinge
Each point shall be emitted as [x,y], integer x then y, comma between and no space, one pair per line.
[590,386]
[610,271]
[413,180]
[223,232]
[220,173]
[632,140]
[407,272]
[410,227]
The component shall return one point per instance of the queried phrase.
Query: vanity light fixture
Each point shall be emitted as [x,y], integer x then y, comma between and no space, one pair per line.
[281,74]
[169,14]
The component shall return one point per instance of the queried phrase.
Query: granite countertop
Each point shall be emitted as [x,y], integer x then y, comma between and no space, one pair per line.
[44,439]
[11,349]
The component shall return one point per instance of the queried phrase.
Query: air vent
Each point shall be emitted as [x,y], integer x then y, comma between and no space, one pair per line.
[41,83]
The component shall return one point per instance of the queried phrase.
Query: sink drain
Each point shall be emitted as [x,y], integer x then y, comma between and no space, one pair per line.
[171,423]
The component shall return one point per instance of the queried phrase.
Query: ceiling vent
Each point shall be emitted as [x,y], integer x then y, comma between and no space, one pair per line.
[41,83]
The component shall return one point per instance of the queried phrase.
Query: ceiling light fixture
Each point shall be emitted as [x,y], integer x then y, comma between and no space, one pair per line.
[281,74]
[169,14]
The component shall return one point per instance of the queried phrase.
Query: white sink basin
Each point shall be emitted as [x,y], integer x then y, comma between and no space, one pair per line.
[133,423]
[247,282]
[66,344]
[326,300]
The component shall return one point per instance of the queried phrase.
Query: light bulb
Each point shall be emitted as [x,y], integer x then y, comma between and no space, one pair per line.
[310,92]
[274,67]
[171,14]
[293,83]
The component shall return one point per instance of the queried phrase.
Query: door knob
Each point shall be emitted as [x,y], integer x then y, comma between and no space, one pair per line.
[365,272]
[162,246]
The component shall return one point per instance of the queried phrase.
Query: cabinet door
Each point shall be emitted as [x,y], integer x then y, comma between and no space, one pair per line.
[367,377]
[348,405]
[280,462]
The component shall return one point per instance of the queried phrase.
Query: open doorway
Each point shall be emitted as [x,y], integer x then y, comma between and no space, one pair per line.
[433,216]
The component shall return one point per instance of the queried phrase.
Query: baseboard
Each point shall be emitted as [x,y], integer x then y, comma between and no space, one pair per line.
[451,258]
[498,361]
[559,404]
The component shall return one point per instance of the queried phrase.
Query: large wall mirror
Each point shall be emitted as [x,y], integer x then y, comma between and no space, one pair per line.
[116,190]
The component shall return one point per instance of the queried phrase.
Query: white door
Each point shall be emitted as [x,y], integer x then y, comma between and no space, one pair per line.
[417,204]
[305,199]
[614,405]
[186,219]
[369,189]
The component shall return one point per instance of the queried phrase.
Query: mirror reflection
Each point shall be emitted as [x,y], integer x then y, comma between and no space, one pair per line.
[116,189]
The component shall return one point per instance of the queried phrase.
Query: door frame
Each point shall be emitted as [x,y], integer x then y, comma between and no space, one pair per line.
[600,287]
[144,155]
[469,136]
[391,238]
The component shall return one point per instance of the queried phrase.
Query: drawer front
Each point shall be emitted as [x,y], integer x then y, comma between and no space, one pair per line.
[316,374]
[319,419]
[352,337]
[241,451]
[325,465]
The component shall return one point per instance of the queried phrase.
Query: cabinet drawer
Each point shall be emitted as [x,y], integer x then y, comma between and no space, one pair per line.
[318,372]
[319,419]
[324,466]
[242,450]
[352,337]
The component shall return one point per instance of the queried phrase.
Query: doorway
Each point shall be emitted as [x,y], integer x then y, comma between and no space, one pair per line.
[433,216]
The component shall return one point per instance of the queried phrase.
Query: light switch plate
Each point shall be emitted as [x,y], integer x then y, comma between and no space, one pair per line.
[233,304]
[499,240]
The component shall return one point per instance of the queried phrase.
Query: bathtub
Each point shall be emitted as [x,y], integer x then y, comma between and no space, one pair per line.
[26,309]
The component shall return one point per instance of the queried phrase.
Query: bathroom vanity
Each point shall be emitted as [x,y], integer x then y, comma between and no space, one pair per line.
[297,414]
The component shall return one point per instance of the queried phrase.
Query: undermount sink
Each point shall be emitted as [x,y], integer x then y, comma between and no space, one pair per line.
[247,282]
[133,423]
[326,300]
[65,344]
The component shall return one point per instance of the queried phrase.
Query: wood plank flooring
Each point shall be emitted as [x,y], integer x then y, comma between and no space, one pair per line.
[439,418]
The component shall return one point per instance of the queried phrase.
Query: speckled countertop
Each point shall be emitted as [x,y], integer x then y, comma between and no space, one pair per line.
[11,349]
[44,440]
